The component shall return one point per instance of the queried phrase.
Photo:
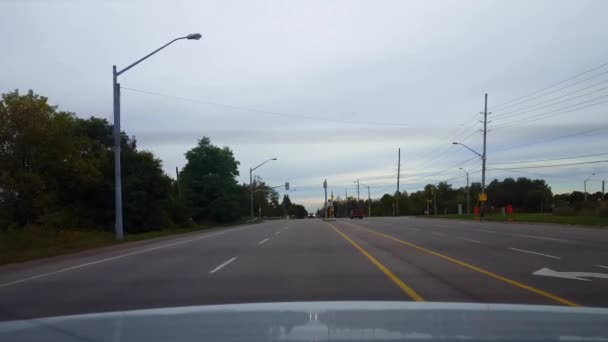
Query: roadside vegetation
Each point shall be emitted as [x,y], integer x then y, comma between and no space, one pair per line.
[536,218]
[57,184]
[531,199]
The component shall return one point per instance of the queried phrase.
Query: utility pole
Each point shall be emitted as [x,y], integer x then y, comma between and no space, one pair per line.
[284,208]
[251,191]
[468,197]
[325,187]
[603,194]
[345,202]
[398,176]
[434,201]
[358,192]
[369,203]
[179,195]
[483,158]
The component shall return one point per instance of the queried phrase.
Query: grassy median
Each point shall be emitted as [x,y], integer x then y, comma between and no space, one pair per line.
[594,221]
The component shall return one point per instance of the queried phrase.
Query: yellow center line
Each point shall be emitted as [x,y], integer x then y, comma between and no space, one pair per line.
[474,268]
[404,287]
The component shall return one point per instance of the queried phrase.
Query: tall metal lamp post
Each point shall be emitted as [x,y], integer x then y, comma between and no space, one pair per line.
[468,197]
[585,185]
[116,94]
[483,172]
[251,183]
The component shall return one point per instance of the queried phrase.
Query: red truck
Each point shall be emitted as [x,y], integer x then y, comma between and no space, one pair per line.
[356,213]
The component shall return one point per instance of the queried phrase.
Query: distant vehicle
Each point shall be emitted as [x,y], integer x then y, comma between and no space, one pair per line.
[356,213]
[311,215]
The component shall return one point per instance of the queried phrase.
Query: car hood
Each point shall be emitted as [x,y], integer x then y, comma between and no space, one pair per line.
[316,321]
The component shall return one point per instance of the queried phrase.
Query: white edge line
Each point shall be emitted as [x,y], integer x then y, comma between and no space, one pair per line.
[261,242]
[531,252]
[602,266]
[118,257]
[224,264]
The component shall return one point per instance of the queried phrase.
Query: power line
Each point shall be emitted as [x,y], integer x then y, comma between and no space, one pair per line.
[517,112]
[549,115]
[444,148]
[543,160]
[462,176]
[495,108]
[271,113]
[448,168]
[555,165]
[554,139]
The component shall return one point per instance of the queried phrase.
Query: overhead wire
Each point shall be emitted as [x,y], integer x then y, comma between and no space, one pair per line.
[552,113]
[545,166]
[497,107]
[554,139]
[266,112]
[521,111]
[443,148]
[553,159]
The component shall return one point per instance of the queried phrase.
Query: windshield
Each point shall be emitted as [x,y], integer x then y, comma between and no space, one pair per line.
[161,155]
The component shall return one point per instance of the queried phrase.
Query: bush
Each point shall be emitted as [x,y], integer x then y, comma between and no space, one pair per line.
[563,211]
[603,209]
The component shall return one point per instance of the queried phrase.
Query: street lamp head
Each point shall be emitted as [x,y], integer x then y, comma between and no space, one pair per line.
[195,36]
[455,143]
[273,159]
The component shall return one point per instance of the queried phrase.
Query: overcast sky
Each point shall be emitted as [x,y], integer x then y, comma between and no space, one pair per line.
[332,88]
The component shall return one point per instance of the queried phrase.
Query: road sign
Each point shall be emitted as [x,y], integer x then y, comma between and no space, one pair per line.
[483,197]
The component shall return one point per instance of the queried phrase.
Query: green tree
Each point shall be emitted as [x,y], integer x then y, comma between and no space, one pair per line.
[299,211]
[209,183]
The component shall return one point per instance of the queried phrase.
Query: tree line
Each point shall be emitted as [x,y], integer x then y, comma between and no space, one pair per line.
[56,171]
[524,194]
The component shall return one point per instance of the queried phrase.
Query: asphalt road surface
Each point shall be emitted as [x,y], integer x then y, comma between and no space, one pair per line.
[312,260]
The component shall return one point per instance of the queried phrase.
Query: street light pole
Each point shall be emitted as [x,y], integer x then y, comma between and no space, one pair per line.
[118,227]
[585,185]
[483,161]
[468,197]
[251,183]
[369,200]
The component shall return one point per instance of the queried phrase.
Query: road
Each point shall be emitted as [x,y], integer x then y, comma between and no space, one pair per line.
[313,260]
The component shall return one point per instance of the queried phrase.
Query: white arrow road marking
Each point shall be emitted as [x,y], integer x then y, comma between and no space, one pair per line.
[570,275]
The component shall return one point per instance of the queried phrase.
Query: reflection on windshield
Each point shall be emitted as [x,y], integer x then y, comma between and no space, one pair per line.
[451,322]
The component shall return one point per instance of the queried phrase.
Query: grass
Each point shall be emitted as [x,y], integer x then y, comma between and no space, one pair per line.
[539,218]
[34,242]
